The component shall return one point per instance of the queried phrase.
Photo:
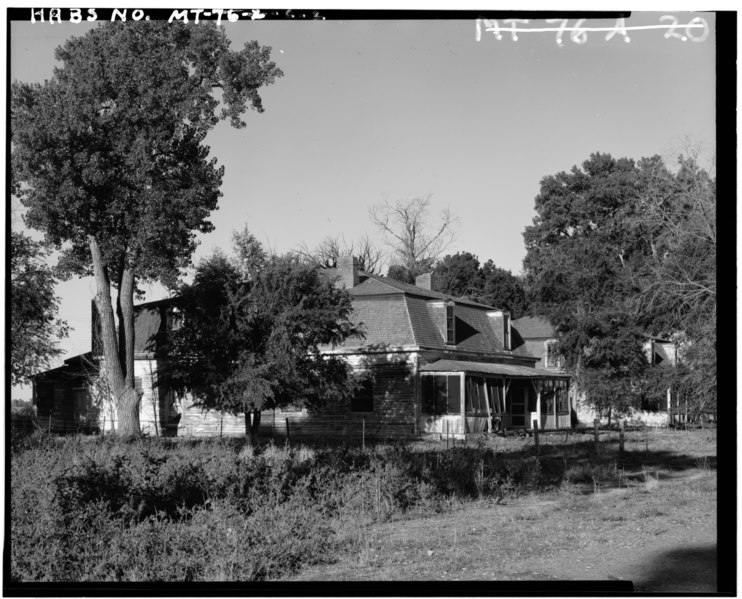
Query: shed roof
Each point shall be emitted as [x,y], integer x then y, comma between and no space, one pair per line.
[534,327]
[508,370]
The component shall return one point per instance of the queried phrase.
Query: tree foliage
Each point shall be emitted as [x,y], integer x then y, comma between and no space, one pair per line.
[251,343]
[415,238]
[34,323]
[110,161]
[461,275]
[620,249]
[580,263]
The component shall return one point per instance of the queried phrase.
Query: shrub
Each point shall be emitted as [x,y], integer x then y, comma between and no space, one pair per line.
[162,509]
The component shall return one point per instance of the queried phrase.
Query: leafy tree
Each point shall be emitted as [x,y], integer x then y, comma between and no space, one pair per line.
[619,249]
[503,289]
[678,289]
[415,242]
[461,275]
[110,160]
[582,263]
[33,309]
[251,343]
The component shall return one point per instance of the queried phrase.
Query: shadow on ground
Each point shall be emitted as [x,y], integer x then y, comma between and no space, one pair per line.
[682,570]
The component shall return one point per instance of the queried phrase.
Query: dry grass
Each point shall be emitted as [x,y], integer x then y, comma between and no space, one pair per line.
[596,524]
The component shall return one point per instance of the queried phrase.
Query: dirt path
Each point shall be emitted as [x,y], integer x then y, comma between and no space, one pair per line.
[661,538]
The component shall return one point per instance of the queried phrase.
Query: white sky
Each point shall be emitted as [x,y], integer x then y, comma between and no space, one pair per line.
[396,109]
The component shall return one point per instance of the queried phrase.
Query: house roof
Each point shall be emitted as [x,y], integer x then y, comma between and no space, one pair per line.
[376,285]
[398,315]
[73,367]
[509,370]
[534,327]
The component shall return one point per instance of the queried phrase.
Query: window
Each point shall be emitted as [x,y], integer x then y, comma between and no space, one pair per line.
[176,319]
[506,330]
[450,324]
[441,394]
[362,399]
[493,392]
[476,399]
[552,359]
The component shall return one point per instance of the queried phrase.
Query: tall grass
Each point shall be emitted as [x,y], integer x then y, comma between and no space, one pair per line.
[159,509]
[109,509]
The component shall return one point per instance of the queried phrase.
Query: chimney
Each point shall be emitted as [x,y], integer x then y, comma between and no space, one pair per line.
[425,281]
[347,271]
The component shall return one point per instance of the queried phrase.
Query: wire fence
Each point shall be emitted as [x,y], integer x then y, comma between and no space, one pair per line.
[273,428]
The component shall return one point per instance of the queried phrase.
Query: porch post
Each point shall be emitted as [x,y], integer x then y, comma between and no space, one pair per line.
[556,412]
[462,390]
[487,404]
[538,405]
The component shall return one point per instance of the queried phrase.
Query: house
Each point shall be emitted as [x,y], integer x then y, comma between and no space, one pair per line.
[430,364]
[61,396]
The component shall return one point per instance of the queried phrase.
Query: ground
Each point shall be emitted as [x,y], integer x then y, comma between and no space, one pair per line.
[655,527]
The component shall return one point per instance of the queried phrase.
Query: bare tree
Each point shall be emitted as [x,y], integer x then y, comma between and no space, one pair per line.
[414,237]
[326,253]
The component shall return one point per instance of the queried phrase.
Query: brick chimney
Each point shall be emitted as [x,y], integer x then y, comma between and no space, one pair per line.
[347,271]
[425,281]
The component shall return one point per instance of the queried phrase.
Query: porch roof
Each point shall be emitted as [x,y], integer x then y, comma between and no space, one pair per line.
[507,370]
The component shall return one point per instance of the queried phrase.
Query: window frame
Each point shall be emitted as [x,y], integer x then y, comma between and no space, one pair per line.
[507,336]
[440,400]
[450,323]
[367,385]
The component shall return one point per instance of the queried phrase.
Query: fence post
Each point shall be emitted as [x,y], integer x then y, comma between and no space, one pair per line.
[620,438]
[288,434]
[221,424]
[363,432]
[535,436]
[446,434]
[596,423]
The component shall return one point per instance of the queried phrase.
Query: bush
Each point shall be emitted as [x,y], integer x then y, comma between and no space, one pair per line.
[161,509]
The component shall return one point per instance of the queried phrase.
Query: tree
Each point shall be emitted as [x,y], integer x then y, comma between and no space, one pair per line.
[503,289]
[620,249]
[415,242]
[678,289]
[34,324]
[110,160]
[251,343]
[583,262]
[326,253]
[461,275]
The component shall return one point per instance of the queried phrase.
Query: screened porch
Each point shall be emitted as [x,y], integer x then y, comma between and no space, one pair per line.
[469,397]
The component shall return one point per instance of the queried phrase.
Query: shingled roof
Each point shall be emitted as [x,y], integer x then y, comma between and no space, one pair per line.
[534,327]
[377,285]
[397,315]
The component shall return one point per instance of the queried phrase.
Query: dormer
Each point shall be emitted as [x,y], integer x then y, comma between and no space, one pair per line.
[443,313]
[501,321]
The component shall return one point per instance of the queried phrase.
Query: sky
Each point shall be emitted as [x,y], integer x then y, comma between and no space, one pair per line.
[369,111]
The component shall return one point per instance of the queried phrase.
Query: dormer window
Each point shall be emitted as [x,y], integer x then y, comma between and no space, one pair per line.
[506,336]
[450,324]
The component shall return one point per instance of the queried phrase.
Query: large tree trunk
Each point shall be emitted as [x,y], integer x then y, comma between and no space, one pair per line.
[120,373]
[252,427]
[128,405]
